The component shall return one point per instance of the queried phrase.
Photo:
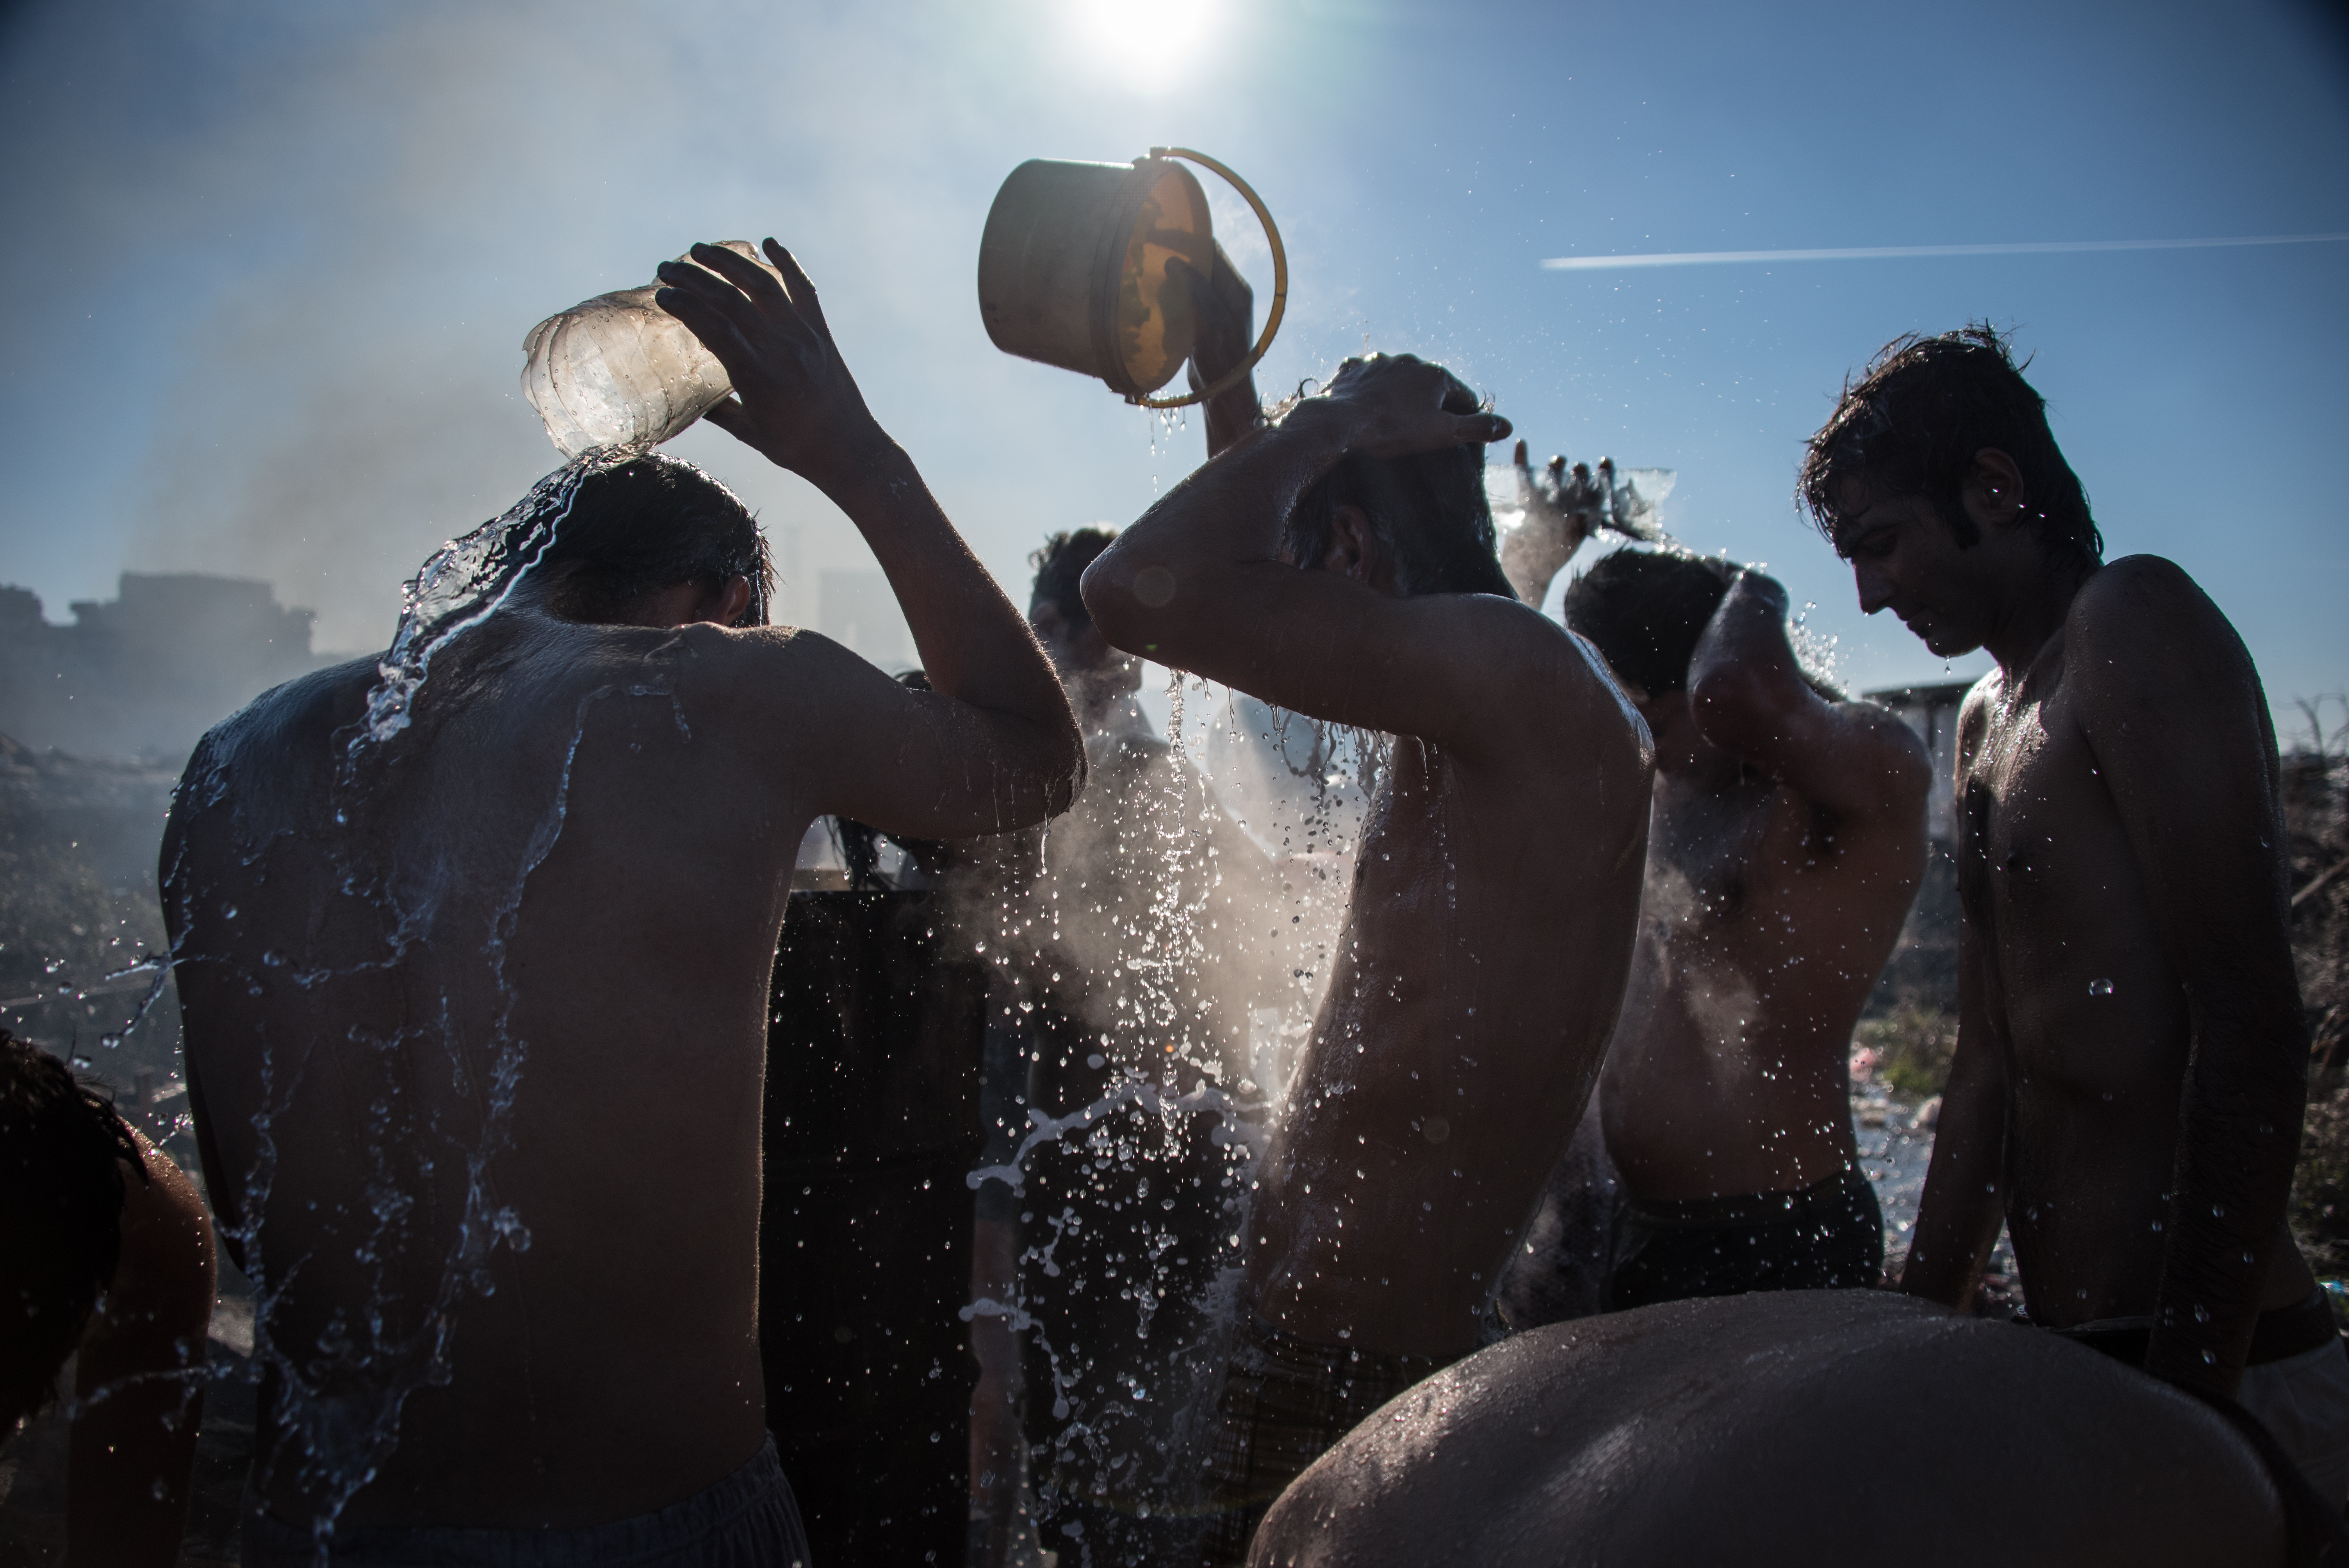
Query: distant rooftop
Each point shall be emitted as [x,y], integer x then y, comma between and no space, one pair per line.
[145,674]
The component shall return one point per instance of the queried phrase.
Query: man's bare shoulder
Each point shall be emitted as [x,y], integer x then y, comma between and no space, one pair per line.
[1871,736]
[778,673]
[1526,665]
[288,727]
[2140,600]
[2141,631]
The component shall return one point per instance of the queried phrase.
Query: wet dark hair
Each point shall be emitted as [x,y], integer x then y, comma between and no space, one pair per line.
[1059,563]
[60,1218]
[647,524]
[1430,508]
[1921,410]
[1644,610]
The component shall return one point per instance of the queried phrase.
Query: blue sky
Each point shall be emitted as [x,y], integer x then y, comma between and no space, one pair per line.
[268,266]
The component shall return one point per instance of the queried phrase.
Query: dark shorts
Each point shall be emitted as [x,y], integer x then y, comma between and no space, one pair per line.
[2294,1392]
[1829,1236]
[750,1519]
[1286,1401]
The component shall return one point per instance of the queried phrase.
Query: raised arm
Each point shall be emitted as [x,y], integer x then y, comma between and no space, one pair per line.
[1011,733]
[1561,510]
[1226,310]
[1749,696]
[1199,581]
[2171,705]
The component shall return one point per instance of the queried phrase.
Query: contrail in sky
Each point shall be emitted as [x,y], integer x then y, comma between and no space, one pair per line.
[1871,253]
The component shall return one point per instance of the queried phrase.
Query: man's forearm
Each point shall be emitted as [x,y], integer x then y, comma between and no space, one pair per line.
[1232,415]
[1957,1224]
[2239,1135]
[1535,552]
[1961,1211]
[1747,634]
[1235,509]
[975,647]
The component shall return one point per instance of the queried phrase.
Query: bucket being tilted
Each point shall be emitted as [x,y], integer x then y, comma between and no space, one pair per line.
[1072,268]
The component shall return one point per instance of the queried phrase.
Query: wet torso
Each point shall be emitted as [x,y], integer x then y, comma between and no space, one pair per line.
[1475,983]
[2094,1016]
[481,1058]
[1764,923]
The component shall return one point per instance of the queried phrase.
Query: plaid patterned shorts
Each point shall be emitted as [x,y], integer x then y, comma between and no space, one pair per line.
[1286,1401]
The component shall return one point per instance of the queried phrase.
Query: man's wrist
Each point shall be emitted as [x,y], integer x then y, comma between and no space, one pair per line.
[1321,421]
[863,456]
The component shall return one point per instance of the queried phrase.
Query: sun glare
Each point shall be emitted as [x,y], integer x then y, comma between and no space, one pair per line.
[1147,46]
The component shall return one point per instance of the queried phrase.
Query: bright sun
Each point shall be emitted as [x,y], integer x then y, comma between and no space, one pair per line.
[1147,45]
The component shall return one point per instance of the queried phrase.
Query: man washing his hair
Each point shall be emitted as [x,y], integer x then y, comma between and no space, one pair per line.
[1786,840]
[2132,1054]
[1340,563]
[477,1020]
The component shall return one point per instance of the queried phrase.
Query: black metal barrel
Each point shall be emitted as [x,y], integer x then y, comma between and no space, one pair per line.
[872,1123]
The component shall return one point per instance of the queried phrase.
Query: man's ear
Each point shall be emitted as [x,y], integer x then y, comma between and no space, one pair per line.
[733,600]
[1993,495]
[1354,548]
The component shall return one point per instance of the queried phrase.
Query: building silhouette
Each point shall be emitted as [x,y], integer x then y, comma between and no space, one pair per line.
[144,675]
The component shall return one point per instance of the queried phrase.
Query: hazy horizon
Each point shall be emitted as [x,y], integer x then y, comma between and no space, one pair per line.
[274,264]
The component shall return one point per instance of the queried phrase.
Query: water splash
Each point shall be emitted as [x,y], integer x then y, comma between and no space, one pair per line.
[1188,955]
[466,581]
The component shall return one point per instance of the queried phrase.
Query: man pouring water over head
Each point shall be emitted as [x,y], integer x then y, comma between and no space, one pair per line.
[1340,563]
[476,1015]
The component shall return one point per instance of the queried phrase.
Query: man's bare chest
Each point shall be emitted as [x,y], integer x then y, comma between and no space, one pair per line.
[1720,861]
[2037,815]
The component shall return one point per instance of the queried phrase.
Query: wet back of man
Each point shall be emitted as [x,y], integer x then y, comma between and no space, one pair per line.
[475,980]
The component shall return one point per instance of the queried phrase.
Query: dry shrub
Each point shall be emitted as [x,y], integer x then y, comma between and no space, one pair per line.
[1913,1044]
[2313,773]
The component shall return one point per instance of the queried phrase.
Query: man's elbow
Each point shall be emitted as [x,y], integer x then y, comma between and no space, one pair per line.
[1124,599]
[1063,785]
[1730,704]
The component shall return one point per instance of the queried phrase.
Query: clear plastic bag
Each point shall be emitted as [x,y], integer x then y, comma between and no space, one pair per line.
[619,373]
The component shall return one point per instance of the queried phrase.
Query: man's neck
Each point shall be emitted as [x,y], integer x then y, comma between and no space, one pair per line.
[2033,615]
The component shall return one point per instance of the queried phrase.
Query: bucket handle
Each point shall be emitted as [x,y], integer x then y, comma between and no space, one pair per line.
[1279,288]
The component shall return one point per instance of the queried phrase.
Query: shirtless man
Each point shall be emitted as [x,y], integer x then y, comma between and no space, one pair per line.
[1753,1430]
[477,1011]
[1341,565]
[1784,846]
[111,1263]
[2132,1054]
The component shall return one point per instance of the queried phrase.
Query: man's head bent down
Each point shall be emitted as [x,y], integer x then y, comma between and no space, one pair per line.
[656,541]
[1408,526]
[1939,480]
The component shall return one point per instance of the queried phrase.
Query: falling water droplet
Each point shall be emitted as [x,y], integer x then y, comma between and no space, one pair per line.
[2100,987]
